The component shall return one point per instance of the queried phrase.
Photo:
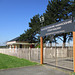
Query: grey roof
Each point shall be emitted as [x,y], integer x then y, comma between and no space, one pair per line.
[15,39]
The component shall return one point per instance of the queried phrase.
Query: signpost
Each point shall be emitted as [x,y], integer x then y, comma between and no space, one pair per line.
[57,28]
[74,49]
[41,45]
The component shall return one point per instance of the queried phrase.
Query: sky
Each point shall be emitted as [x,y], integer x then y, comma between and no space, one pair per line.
[15,16]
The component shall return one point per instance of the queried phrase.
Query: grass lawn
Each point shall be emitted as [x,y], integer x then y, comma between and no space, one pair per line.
[7,61]
[73,73]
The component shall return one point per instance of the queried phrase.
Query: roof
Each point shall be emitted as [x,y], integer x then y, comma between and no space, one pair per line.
[15,39]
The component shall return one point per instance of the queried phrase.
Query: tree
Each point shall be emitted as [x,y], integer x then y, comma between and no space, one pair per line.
[35,24]
[73,8]
[28,36]
[58,10]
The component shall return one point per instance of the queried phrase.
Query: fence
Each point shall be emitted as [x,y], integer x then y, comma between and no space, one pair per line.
[30,54]
[59,57]
[27,53]
[62,57]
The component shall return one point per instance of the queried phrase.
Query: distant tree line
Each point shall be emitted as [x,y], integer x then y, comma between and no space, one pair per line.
[3,46]
[57,10]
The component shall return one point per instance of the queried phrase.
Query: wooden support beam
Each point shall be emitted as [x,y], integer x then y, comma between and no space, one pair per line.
[74,49]
[41,50]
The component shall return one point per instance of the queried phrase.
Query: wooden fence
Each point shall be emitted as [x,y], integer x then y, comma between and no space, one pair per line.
[34,53]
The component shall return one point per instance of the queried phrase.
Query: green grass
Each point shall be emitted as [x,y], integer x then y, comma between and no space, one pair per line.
[7,61]
[72,73]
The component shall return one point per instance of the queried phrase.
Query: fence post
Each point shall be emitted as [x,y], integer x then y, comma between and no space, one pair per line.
[55,55]
[29,53]
[37,54]
[44,52]
[14,48]
[19,53]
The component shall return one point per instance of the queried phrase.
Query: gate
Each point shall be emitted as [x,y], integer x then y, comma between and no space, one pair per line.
[59,57]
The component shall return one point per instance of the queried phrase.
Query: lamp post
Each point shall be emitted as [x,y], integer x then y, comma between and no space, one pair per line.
[42,20]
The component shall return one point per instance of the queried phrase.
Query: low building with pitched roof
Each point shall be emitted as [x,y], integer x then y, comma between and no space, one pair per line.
[15,43]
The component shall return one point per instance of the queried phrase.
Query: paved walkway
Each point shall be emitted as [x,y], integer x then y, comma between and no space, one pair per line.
[33,70]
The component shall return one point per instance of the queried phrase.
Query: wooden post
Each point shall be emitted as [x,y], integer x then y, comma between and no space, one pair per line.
[14,48]
[74,49]
[29,53]
[41,50]
[11,48]
[55,55]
